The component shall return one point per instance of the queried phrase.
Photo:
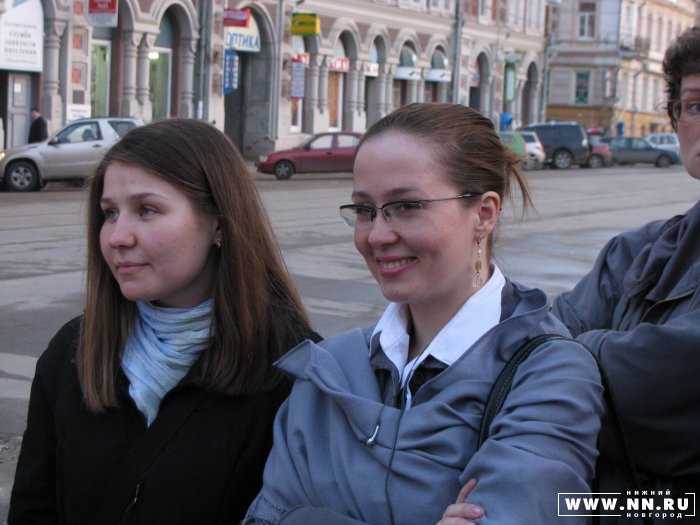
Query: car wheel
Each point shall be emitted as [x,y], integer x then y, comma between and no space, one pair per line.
[595,162]
[284,170]
[663,161]
[562,160]
[21,176]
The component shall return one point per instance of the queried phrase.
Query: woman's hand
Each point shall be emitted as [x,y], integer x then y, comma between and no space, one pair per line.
[460,513]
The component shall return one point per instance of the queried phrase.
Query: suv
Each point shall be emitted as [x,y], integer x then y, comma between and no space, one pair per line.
[665,141]
[73,152]
[565,143]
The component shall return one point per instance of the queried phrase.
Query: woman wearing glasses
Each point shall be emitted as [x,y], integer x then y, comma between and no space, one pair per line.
[382,423]
[639,311]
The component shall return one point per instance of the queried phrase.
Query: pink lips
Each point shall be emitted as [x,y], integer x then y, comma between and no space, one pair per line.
[394,266]
[128,268]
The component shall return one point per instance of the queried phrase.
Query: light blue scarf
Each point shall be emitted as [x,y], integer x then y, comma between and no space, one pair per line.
[162,347]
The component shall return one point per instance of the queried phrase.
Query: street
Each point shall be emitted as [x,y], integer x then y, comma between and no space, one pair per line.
[42,253]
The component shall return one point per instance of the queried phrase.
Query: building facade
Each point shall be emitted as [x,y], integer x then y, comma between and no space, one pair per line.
[606,60]
[240,66]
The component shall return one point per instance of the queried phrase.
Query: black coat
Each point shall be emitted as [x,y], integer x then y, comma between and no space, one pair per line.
[208,472]
[39,130]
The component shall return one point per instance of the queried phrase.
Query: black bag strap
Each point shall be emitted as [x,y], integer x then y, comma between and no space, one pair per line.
[504,382]
[122,490]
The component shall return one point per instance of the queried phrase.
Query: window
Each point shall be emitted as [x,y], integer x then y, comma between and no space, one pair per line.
[347,141]
[121,126]
[83,132]
[322,142]
[582,87]
[586,20]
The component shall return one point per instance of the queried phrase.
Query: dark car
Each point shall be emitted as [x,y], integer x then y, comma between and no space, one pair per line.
[632,150]
[600,153]
[565,143]
[331,151]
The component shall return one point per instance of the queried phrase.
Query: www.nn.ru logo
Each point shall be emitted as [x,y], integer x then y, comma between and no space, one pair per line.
[633,504]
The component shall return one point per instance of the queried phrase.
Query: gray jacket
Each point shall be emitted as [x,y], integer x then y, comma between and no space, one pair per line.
[639,311]
[542,442]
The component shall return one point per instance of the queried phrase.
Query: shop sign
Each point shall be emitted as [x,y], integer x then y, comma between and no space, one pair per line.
[22,36]
[341,64]
[243,39]
[439,75]
[231,71]
[509,93]
[371,69]
[237,17]
[102,13]
[76,111]
[302,57]
[305,24]
[298,79]
[407,73]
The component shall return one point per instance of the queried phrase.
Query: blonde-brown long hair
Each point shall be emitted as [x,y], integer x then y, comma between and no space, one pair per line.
[257,312]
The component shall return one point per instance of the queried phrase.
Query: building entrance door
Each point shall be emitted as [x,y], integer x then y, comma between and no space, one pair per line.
[18,109]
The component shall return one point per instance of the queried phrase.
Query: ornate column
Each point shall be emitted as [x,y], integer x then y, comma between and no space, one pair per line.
[311,98]
[389,99]
[143,74]
[518,103]
[361,88]
[352,86]
[130,107]
[381,90]
[350,109]
[52,102]
[189,48]
[323,86]
[412,90]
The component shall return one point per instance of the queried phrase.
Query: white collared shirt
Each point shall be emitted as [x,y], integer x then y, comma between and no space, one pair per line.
[480,313]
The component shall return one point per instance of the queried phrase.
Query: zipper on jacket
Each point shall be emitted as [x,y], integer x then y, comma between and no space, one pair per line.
[134,500]
[665,301]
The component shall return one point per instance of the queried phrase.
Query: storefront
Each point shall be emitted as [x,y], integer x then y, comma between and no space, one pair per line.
[21,63]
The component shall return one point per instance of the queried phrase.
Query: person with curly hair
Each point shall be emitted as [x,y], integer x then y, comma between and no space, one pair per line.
[639,311]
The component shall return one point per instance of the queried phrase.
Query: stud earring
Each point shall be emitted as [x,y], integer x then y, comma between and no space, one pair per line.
[477,265]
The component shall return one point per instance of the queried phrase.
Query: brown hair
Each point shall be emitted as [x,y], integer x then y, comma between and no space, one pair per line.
[257,312]
[682,58]
[466,146]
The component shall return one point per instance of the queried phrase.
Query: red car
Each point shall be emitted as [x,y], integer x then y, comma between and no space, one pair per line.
[600,154]
[331,151]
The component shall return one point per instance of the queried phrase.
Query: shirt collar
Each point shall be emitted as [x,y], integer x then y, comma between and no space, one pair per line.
[478,315]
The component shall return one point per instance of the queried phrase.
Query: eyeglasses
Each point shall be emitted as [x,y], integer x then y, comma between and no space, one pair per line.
[686,110]
[399,211]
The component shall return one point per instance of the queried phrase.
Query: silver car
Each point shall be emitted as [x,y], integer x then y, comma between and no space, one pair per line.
[70,153]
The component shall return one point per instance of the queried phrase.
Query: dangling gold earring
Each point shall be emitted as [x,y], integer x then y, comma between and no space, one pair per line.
[477,265]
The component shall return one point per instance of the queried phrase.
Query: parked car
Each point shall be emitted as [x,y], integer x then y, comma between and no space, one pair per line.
[665,141]
[331,151]
[565,143]
[70,153]
[534,149]
[600,153]
[526,145]
[631,150]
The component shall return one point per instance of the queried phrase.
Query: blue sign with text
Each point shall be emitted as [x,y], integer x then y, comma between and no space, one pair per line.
[231,71]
